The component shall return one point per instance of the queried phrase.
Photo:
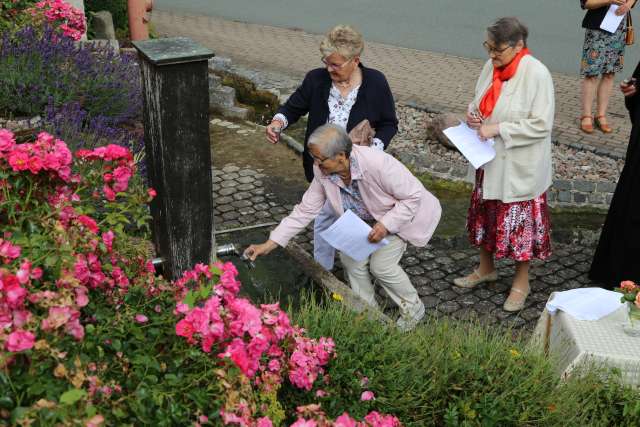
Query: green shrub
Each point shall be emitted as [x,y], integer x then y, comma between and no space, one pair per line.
[455,373]
[12,14]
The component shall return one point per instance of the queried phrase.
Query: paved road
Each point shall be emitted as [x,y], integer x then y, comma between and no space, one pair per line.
[442,26]
[440,81]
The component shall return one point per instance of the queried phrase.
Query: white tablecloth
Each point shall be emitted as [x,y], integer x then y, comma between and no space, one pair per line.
[573,343]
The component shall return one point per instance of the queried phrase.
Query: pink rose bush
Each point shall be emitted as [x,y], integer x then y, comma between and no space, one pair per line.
[60,14]
[82,310]
[39,191]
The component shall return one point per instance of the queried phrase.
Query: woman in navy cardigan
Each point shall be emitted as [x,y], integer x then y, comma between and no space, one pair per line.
[344,93]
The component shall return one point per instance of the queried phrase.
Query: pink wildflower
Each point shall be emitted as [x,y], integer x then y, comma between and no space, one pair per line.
[152,193]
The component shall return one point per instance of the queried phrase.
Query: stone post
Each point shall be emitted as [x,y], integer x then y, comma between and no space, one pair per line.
[177,149]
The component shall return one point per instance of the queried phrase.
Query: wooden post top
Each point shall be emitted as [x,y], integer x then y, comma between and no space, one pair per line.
[172,50]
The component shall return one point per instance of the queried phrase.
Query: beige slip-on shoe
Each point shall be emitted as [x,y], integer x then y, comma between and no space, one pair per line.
[517,305]
[468,282]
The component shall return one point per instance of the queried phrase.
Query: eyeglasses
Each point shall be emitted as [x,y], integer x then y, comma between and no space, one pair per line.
[335,66]
[490,49]
[318,159]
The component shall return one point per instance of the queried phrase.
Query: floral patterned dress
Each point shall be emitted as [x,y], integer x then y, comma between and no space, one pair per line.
[603,52]
[518,230]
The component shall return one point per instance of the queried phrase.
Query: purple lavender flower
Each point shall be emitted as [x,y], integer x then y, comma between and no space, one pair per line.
[39,67]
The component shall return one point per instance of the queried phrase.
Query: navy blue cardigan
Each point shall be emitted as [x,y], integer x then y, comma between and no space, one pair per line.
[374,102]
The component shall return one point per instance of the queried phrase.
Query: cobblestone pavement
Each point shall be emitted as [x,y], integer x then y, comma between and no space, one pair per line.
[245,195]
[436,81]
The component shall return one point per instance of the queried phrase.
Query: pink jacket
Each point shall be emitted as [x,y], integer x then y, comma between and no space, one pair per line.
[390,192]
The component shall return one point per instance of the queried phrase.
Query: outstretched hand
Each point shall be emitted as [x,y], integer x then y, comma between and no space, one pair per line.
[254,251]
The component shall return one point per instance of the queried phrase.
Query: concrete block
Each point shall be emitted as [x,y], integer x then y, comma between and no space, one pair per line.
[605,187]
[561,184]
[102,23]
[584,186]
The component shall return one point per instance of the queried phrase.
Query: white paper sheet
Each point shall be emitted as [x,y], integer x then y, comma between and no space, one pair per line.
[349,235]
[467,141]
[611,21]
[585,303]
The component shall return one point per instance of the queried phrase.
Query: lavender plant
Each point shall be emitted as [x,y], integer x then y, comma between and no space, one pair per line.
[71,123]
[40,67]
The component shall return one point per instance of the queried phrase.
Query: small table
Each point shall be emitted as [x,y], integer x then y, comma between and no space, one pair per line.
[601,342]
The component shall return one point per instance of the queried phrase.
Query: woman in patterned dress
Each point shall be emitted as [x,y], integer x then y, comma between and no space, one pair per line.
[342,92]
[513,104]
[602,56]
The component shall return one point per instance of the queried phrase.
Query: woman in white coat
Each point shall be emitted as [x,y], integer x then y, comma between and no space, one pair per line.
[514,104]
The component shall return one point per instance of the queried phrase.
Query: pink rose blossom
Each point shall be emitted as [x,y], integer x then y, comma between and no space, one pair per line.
[89,223]
[264,422]
[107,239]
[20,340]
[141,318]
[35,164]
[7,141]
[367,395]
[109,194]
[345,420]
[19,160]
[8,250]
[301,422]
[376,419]
[628,286]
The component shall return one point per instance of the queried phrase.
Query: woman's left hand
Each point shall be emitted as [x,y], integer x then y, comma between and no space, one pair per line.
[377,233]
[487,131]
[624,8]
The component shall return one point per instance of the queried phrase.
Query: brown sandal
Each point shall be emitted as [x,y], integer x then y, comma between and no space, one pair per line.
[586,128]
[604,127]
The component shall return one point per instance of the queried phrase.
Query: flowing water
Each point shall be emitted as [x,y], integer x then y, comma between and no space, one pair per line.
[275,277]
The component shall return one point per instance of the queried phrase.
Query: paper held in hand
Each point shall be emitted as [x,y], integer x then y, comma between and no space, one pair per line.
[349,234]
[466,140]
[611,21]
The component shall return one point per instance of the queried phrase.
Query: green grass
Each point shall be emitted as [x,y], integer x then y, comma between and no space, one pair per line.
[456,373]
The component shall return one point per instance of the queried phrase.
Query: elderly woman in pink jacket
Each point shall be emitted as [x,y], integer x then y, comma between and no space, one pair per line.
[383,193]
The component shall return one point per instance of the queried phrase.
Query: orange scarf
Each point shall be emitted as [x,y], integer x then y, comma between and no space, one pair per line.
[500,75]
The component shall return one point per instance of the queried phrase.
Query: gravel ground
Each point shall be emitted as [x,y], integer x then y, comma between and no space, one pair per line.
[569,163]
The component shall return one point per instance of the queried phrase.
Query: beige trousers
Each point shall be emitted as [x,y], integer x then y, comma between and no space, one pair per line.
[384,266]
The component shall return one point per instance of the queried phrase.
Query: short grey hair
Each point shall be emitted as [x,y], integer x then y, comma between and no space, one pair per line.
[343,39]
[508,30]
[331,140]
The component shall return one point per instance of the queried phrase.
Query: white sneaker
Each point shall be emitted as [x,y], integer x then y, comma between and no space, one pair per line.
[405,324]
